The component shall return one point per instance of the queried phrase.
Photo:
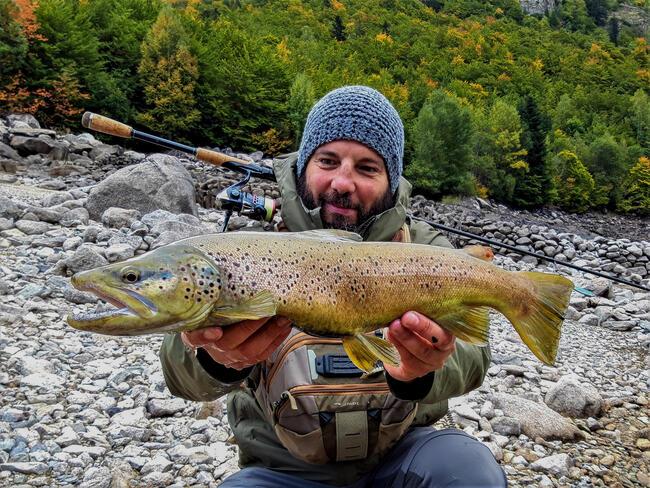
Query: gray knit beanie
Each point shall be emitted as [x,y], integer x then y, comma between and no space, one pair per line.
[356,113]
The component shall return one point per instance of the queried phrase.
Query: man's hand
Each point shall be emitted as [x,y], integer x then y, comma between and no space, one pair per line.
[243,344]
[422,344]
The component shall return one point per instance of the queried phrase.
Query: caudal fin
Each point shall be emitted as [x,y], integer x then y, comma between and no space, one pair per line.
[538,320]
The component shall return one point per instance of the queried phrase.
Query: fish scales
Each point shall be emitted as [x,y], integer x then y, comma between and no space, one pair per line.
[336,287]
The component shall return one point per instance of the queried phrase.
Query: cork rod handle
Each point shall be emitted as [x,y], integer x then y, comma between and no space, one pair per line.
[107,126]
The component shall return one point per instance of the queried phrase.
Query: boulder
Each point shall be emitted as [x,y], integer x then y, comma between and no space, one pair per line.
[161,182]
[17,120]
[573,397]
[536,419]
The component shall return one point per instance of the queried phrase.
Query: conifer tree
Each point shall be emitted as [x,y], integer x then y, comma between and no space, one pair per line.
[338,29]
[536,186]
[169,72]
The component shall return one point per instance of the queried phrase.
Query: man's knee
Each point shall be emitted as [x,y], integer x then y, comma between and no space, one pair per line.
[452,458]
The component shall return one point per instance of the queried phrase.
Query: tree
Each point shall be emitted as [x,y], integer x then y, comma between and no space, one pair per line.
[636,193]
[597,10]
[301,100]
[503,147]
[614,30]
[243,87]
[338,29]
[605,160]
[536,186]
[442,155]
[169,72]
[641,119]
[576,182]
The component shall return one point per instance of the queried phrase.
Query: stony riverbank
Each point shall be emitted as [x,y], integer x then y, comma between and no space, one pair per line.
[78,409]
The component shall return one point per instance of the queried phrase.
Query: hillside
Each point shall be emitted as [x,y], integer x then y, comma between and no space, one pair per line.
[547,109]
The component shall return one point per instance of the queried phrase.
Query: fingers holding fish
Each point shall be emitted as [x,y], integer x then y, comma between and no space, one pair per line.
[248,342]
[423,346]
[199,338]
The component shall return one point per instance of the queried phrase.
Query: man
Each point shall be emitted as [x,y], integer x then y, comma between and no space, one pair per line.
[346,175]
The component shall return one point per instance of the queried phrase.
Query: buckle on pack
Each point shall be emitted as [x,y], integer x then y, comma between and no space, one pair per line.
[336,365]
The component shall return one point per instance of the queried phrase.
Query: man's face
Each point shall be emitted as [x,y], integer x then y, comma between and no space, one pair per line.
[348,180]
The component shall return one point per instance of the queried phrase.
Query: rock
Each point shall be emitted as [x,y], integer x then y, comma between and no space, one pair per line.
[47,381]
[160,182]
[133,417]
[119,252]
[165,407]
[574,397]
[536,419]
[24,120]
[119,217]
[10,209]
[84,258]
[8,152]
[25,468]
[32,145]
[557,465]
[506,425]
[75,216]
[32,227]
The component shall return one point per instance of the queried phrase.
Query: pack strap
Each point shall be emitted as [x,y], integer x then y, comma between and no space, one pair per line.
[351,435]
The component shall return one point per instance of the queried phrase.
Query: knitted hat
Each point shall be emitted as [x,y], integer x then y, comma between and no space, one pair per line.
[356,113]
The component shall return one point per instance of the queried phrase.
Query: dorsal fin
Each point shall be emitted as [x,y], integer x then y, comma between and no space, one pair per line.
[332,235]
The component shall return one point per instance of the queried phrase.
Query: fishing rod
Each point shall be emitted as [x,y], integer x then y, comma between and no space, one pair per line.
[231,199]
[529,253]
[235,199]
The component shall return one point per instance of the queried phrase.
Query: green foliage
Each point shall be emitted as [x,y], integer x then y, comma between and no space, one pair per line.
[501,151]
[442,138]
[535,186]
[636,189]
[243,87]
[641,119]
[606,160]
[301,100]
[234,77]
[13,43]
[169,72]
[575,182]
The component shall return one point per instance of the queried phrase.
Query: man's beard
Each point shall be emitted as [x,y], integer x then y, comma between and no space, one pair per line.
[342,200]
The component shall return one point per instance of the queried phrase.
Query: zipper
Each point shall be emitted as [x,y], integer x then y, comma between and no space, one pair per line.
[347,389]
[298,340]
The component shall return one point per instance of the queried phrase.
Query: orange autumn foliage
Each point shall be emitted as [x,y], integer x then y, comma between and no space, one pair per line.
[25,15]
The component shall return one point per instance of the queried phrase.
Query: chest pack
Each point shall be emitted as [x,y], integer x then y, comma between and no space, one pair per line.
[323,408]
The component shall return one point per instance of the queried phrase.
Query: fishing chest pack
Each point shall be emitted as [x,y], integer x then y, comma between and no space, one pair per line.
[323,408]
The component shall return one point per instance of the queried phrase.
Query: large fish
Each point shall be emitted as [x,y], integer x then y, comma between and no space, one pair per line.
[327,282]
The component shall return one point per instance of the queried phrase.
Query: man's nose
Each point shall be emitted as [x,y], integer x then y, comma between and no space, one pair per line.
[343,181]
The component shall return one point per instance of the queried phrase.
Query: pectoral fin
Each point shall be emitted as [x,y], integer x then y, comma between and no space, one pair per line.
[470,325]
[364,351]
[257,307]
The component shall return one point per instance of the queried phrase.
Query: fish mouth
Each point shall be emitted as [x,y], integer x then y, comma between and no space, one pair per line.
[131,308]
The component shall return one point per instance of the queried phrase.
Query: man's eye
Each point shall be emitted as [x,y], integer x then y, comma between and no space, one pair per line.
[369,169]
[326,161]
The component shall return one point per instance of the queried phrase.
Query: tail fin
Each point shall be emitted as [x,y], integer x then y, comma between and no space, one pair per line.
[538,321]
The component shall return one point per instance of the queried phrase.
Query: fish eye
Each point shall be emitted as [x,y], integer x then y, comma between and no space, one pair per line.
[130,275]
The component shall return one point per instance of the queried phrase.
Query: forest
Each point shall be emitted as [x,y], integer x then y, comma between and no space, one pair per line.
[528,110]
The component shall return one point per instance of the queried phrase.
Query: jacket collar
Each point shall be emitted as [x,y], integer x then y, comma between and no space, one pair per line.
[297,217]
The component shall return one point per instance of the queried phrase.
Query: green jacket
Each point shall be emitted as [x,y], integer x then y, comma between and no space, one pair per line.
[258,444]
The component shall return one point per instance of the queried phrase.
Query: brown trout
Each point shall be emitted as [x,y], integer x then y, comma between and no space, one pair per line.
[328,283]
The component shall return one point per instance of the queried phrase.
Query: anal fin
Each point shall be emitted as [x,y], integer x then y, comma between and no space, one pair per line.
[470,325]
[364,351]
